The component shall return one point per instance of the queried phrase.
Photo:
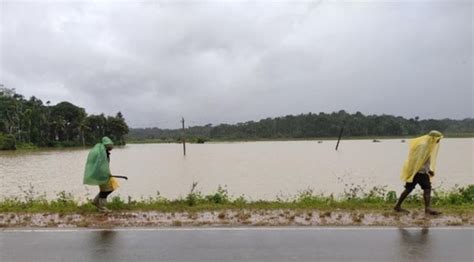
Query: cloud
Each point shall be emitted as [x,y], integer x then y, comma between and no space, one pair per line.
[215,62]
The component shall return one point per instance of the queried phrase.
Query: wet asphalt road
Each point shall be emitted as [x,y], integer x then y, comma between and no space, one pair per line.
[239,244]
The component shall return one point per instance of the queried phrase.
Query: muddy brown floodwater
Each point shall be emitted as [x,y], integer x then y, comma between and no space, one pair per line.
[259,170]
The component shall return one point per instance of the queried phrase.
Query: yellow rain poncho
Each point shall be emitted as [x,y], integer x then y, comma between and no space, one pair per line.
[421,149]
[97,171]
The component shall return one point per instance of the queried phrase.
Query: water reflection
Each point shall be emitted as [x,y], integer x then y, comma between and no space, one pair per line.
[103,245]
[415,244]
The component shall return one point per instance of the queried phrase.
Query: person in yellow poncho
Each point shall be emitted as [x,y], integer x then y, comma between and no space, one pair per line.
[419,168]
[97,172]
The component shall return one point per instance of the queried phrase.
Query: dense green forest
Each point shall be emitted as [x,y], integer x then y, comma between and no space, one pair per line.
[311,125]
[30,123]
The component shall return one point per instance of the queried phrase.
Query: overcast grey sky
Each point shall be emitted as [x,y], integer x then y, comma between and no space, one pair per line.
[223,61]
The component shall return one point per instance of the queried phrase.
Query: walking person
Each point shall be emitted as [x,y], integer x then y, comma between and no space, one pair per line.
[419,168]
[97,172]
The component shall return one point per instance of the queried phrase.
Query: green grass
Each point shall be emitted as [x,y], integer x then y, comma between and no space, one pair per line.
[455,201]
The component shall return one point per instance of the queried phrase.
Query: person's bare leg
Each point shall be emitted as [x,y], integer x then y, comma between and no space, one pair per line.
[102,201]
[427,198]
[102,207]
[398,206]
[95,201]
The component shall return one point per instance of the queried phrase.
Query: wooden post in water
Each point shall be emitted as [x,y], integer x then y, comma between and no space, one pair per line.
[183,137]
[340,135]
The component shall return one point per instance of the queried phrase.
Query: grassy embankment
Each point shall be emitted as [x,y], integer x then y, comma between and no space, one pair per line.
[455,201]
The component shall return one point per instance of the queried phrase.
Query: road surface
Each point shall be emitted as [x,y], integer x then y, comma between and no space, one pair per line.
[239,244]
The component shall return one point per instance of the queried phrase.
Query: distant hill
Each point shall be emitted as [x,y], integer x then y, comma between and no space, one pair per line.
[312,126]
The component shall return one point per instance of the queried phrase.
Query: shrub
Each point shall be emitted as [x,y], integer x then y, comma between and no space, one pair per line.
[7,142]
[220,197]
[391,197]
[467,193]
[117,203]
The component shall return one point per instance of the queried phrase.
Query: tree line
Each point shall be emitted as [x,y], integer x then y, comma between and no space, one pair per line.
[311,125]
[30,122]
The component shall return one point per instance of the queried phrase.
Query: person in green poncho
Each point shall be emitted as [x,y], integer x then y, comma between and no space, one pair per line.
[97,172]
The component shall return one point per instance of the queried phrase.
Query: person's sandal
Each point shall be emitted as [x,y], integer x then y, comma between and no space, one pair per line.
[432,212]
[104,210]
[401,210]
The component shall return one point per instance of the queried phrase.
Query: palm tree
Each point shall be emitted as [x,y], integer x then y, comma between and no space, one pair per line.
[82,128]
[59,125]
[27,115]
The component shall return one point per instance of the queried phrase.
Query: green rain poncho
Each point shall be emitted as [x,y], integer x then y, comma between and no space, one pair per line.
[97,171]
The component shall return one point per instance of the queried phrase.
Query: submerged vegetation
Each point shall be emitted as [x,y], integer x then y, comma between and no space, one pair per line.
[457,200]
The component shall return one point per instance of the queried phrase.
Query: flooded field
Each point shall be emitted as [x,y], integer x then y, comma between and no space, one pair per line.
[258,170]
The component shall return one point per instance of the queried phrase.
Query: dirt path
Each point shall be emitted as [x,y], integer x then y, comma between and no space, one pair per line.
[231,218]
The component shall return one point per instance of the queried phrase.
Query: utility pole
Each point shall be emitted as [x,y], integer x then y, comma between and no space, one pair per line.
[183,138]
[340,135]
